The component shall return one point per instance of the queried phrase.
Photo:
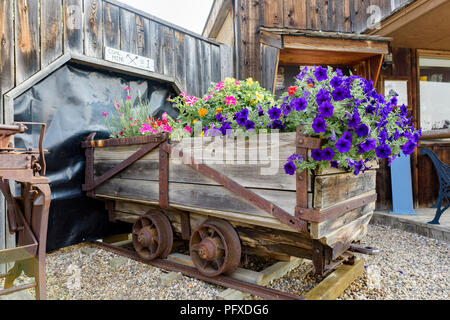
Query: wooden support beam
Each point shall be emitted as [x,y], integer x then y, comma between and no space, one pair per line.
[337,282]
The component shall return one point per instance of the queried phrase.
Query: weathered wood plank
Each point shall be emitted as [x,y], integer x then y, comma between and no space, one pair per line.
[142,29]
[7,74]
[216,64]
[211,197]
[248,175]
[319,230]
[227,61]
[192,66]
[206,70]
[73,26]
[155,38]
[336,283]
[111,14]
[168,51]
[180,59]
[27,39]
[249,56]
[51,31]
[352,231]
[128,31]
[93,28]
[332,189]
[295,14]
[230,149]
[269,222]
[272,13]
[269,59]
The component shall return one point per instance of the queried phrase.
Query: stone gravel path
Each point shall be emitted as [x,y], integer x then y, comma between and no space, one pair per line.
[409,267]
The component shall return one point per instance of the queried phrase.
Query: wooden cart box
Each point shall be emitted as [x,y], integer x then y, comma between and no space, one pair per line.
[274,214]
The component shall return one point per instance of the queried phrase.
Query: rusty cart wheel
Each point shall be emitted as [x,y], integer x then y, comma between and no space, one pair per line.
[153,236]
[215,248]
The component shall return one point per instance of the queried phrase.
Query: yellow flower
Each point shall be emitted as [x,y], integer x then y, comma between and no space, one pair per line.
[202,112]
[203,134]
[252,102]
[229,80]
[238,87]
[259,97]
[218,110]
[249,81]
[194,121]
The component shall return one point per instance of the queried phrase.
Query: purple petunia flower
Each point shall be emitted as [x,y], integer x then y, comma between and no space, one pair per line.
[354,120]
[319,125]
[317,155]
[290,168]
[367,145]
[326,109]
[343,145]
[334,164]
[240,120]
[296,157]
[321,74]
[358,167]
[249,125]
[299,104]
[274,113]
[408,147]
[370,109]
[341,93]
[383,151]
[347,136]
[226,128]
[336,82]
[328,154]
[219,117]
[323,96]
[276,124]
[244,112]
[362,130]
[260,111]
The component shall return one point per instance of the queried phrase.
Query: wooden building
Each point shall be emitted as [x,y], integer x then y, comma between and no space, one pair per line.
[402,43]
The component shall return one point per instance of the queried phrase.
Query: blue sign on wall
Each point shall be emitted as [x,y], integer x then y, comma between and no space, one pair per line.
[402,199]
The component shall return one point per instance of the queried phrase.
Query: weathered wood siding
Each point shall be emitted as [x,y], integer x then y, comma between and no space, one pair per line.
[35,33]
[327,15]
[353,16]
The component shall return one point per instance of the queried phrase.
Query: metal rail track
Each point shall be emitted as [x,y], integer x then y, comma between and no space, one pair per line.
[257,290]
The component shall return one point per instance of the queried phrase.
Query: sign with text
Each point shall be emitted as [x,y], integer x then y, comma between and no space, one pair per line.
[129,59]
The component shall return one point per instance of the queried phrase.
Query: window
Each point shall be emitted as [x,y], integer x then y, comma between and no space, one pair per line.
[434,93]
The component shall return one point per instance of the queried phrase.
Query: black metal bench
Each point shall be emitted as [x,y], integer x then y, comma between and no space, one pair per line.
[443,172]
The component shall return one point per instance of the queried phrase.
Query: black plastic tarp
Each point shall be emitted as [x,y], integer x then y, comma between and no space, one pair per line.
[71,101]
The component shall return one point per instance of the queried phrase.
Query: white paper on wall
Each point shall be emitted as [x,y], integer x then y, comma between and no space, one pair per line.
[434,105]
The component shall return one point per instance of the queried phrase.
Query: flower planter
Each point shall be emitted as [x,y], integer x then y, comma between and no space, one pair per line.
[311,216]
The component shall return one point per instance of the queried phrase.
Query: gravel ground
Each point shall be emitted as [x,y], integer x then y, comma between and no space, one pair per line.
[409,267]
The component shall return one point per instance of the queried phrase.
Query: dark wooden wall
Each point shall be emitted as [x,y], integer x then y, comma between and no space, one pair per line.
[325,15]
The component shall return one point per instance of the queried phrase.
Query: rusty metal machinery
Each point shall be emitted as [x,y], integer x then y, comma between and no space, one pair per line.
[28,212]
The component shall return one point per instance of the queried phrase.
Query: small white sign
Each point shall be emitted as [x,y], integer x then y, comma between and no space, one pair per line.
[129,59]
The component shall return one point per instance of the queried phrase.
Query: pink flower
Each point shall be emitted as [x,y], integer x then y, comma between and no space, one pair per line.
[154,131]
[210,96]
[191,100]
[121,114]
[188,129]
[164,116]
[184,95]
[128,97]
[220,85]
[167,128]
[145,128]
[127,88]
[237,83]
[105,114]
[117,106]
[230,100]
